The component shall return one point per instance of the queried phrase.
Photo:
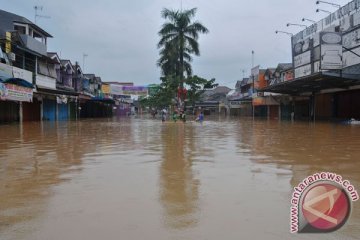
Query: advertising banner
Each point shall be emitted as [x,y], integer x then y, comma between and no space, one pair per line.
[128,90]
[135,90]
[105,88]
[3,91]
[15,93]
[115,89]
[331,51]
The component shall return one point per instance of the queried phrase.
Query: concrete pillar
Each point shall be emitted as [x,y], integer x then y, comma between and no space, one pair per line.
[41,109]
[21,112]
[279,112]
[56,111]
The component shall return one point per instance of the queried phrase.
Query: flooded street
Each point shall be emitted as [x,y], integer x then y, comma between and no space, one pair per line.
[143,179]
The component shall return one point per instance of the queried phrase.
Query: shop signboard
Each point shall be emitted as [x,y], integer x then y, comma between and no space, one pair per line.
[115,89]
[3,91]
[331,51]
[302,59]
[303,71]
[17,93]
[105,88]
[135,90]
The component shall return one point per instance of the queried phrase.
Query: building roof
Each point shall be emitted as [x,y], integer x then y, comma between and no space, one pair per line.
[283,67]
[7,20]
[89,75]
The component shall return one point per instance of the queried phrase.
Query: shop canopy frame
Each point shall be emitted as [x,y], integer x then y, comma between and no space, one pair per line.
[315,83]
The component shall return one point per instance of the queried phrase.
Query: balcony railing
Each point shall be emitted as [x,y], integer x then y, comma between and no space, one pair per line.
[33,44]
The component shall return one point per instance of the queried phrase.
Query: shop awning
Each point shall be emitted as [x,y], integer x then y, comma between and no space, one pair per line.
[104,100]
[56,92]
[18,82]
[315,83]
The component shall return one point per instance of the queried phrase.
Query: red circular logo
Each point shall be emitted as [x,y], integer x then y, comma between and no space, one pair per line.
[326,207]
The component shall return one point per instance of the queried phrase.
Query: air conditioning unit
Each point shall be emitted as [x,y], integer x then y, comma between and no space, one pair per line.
[11,56]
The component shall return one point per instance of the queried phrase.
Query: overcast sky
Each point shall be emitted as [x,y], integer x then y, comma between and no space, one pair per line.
[120,36]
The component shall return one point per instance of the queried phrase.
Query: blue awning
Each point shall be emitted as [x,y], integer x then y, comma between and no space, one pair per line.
[19,82]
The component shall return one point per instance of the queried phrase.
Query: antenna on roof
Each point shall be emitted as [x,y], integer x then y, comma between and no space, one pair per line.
[39,8]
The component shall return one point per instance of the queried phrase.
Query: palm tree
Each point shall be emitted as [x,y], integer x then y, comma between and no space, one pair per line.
[178,41]
[169,61]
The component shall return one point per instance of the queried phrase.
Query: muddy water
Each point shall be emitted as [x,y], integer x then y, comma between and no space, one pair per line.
[141,179]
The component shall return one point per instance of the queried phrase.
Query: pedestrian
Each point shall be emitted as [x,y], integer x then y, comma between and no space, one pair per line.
[175,116]
[163,115]
[200,118]
[183,116]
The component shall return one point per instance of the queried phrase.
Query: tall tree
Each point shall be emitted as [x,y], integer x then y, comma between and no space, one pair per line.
[178,41]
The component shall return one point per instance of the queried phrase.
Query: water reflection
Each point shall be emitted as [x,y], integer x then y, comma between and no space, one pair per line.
[179,189]
[147,179]
[302,149]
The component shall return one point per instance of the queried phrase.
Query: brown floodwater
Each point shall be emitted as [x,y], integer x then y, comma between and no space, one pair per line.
[142,179]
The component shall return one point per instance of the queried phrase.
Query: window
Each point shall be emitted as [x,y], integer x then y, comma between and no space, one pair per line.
[20,29]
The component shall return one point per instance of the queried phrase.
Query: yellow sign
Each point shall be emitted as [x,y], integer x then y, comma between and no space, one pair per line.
[8,42]
[105,88]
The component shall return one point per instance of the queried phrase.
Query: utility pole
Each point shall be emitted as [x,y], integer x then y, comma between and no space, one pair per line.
[253,86]
[84,56]
[39,8]
[252,58]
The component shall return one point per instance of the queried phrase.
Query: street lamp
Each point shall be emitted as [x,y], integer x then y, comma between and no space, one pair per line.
[309,20]
[329,3]
[290,34]
[295,24]
[320,10]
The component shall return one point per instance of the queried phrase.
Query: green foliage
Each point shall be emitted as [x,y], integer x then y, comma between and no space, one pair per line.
[165,94]
[197,86]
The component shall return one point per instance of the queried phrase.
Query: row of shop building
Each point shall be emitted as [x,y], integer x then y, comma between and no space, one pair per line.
[321,83]
[39,85]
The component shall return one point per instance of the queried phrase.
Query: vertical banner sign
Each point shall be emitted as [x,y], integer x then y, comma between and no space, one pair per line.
[331,51]
[8,42]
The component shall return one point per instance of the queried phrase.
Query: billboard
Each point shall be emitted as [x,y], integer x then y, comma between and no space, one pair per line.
[331,51]
[116,89]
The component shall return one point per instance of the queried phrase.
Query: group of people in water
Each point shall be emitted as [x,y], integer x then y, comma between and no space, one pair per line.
[178,115]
